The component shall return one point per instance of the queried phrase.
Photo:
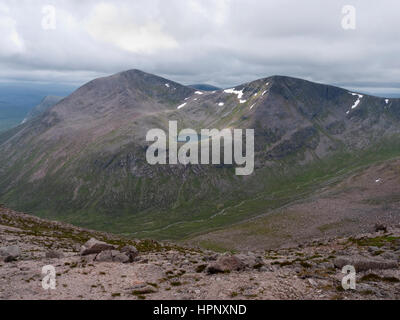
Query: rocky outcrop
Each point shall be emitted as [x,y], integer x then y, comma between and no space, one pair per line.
[10,253]
[94,246]
[112,256]
[226,264]
[251,260]
[131,252]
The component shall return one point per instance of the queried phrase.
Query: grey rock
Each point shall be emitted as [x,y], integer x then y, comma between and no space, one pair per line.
[131,252]
[226,264]
[251,260]
[95,246]
[10,253]
[121,257]
[112,256]
[104,256]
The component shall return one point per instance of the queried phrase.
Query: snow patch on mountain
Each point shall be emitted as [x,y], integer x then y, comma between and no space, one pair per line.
[360,96]
[233,91]
[182,105]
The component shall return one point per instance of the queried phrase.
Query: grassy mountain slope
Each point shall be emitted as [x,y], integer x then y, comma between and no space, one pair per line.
[348,205]
[83,161]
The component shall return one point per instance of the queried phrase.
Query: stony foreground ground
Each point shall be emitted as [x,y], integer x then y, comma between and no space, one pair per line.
[311,270]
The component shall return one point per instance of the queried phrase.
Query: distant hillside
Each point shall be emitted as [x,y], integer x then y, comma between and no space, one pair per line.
[83,161]
[44,105]
[17,99]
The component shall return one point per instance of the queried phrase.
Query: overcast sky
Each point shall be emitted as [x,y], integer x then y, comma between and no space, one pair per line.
[220,42]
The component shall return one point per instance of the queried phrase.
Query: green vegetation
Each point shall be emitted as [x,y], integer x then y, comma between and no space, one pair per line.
[193,208]
[375,242]
[210,245]
[93,172]
[116,294]
[372,277]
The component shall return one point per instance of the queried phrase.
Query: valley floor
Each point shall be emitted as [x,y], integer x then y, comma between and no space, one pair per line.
[310,270]
[350,207]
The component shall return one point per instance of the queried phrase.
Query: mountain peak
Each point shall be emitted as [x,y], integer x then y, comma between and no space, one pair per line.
[88,152]
[132,90]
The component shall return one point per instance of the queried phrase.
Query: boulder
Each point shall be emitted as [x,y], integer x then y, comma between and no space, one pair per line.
[95,246]
[121,257]
[104,256]
[226,264]
[131,252]
[10,253]
[364,264]
[112,256]
[251,260]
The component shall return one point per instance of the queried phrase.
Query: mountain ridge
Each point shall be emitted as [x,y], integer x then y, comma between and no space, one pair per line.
[46,103]
[83,161]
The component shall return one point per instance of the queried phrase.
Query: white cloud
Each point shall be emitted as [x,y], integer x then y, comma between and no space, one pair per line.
[11,42]
[222,42]
[111,24]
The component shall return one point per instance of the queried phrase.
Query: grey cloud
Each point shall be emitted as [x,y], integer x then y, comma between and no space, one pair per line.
[222,42]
